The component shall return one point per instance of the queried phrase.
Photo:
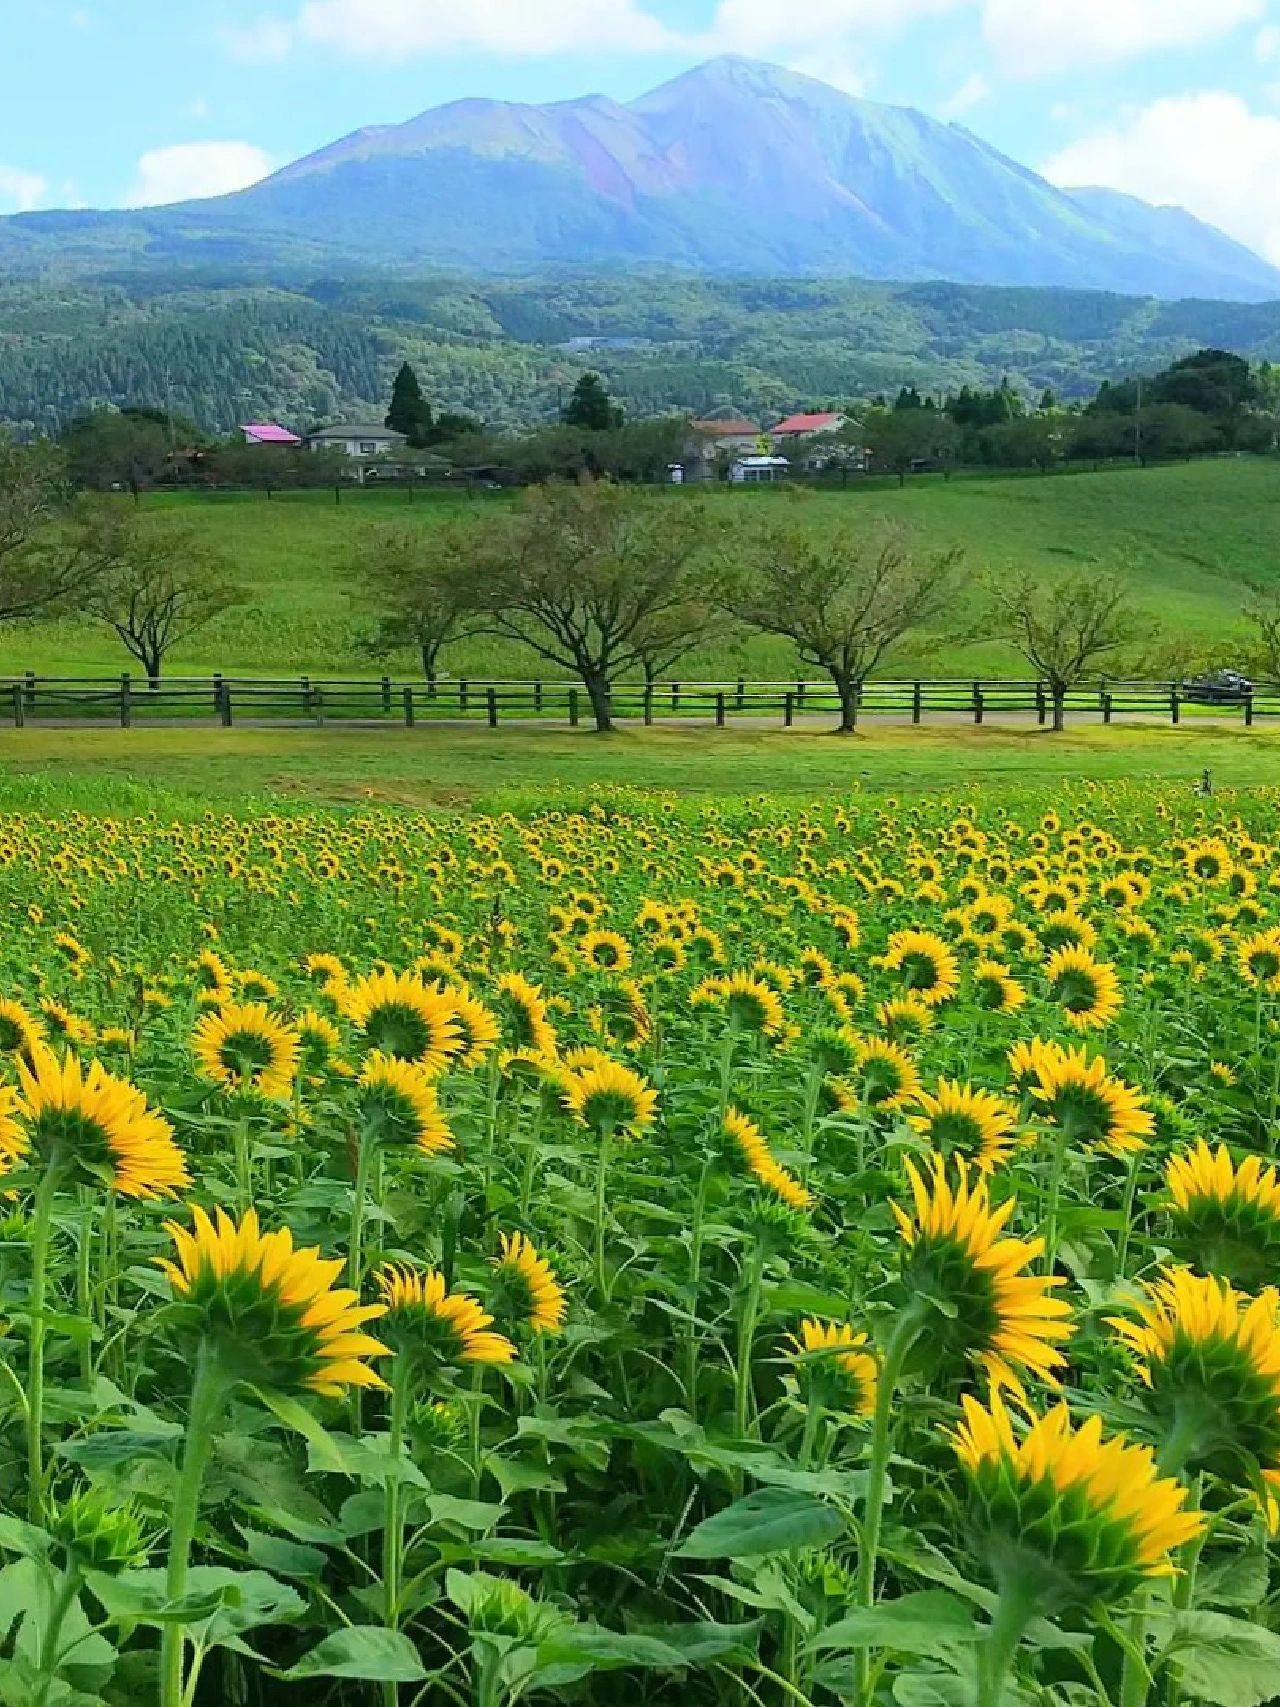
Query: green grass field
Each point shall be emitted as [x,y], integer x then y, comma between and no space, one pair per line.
[1188,536]
[184,771]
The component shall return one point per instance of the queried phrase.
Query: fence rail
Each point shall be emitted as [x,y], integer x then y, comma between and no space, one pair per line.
[305,700]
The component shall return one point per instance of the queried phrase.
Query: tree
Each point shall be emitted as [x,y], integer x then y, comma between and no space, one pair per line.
[902,440]
[424,581]
[410,413]
[844,600]
[1061,630]
[1033,441]
[1174,430]
[42,573]
[155,583]
[124,447]
[591,407]
[593,577]
[1262,613]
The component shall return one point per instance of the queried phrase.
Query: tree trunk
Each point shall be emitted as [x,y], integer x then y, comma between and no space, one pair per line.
[601,702]
[848,691]
[1059,710]
[429,669]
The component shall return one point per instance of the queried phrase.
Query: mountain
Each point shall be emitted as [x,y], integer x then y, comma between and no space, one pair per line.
[733,168]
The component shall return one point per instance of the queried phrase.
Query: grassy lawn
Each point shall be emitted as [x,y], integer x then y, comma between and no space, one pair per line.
[1188,536]
[185,770]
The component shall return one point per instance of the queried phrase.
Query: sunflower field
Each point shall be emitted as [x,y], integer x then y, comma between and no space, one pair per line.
[643,1251]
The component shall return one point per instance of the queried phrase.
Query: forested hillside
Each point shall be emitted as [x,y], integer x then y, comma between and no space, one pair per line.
[224,351]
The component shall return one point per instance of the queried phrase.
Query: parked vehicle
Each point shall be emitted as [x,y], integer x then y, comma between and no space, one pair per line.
[1218,687]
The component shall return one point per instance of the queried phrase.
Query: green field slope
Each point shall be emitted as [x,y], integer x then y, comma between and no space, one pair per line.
[1188,536]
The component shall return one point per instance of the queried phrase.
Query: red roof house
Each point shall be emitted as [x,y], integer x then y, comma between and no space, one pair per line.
[804,426]
[268,433]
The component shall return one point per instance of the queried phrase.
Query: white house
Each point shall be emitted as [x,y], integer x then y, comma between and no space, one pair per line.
[758,470]
[357,439]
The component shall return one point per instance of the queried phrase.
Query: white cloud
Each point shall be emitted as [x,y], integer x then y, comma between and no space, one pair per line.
[1207,152]
[766,26]
[21,192]
[381,28]
[268,40]
[191,170]
[1266,45]
[1034,37]
[839,70]
[971,93]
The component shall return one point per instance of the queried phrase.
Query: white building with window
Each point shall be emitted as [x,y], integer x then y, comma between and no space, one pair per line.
[759,470]
[357,439]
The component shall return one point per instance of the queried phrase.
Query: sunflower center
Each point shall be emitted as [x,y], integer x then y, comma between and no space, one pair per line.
[399,1030]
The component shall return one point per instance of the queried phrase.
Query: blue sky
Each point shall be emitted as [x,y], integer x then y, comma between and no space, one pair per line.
[112,102]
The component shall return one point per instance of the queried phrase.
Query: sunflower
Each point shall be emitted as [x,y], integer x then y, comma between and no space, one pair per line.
[1210,1359]
[1208,860]
[398,1104]
[20,1031]
[319,1041]
[86,1118]
[64,1024]
[522,1012]
[1258,958]
[1226,1217]
[974,1124]
[1087,990]
[427,1322]
[753,1147]
[905,1019]
[245,1047]
[1090,1105]
[996,989]
[395,1013]
[609,1096]
[927,966]
[526,1289]
[271,1312]
[885,1077]
[1077,1517]
[835,1367]
[477,1027]
[605,951]
[750,1004]
[988,1309]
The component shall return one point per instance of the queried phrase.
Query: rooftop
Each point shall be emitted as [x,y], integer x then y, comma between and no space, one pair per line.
[727,427]
[269,433]
[821,423]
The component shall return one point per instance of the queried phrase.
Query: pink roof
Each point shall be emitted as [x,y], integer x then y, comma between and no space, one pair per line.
[268,433]
[808,423]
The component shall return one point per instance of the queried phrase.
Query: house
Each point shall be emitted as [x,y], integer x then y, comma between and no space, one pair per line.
[758,470]
[270,433]
[714,440]
[357,439]
[796,428]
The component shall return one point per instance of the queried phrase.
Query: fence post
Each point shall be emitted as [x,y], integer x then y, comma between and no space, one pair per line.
[408,708]
[226,706]
[306,696]
[800,695]
[675,696]
[573,708]
[648,705]
[1175,705]
[720,708]
[978,704]
[537,696]
[788,710]
[1248,711]
[126,701]
[29,693]
[217,692]
[917,702]
[1042,709]
[491,706]
[742,693]
[386,693]
[19,709]
[1106,706]
[317,700]
[463,691]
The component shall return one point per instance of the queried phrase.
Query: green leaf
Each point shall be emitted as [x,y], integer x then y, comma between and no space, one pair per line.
[770,1520]
[22,1538]
[1224,1660]
[477,1515]
[929,1623]
[363,1651]
[119,1446]
[283,1558]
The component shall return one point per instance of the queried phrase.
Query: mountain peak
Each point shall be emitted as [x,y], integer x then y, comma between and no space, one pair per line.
[745,78]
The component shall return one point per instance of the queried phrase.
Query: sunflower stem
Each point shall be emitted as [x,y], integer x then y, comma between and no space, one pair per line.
[1178,1446]
[393,1526]
[602,1178]
[907,1327]
[209,1394]
[812,1422]
[68,1590]
[694,1343]
[743,1385]
[1059,1165]
[41,1223]
[84,1285]
[365,1147]
[1016,1607]
[244,1166]
[1126,1222]
[477,1412]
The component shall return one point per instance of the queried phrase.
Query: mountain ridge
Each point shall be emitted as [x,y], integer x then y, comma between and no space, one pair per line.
[734,167]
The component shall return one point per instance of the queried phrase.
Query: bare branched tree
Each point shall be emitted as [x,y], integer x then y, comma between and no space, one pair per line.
[596,578]
[1065,629]
[155,582]
[844,601]
[40,573]
[425,581]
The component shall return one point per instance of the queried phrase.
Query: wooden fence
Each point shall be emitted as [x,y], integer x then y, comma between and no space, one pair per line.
[307,700]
